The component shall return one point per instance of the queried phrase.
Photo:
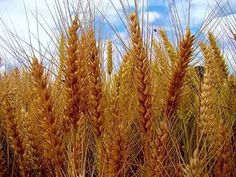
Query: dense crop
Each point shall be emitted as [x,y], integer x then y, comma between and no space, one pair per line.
[156,115]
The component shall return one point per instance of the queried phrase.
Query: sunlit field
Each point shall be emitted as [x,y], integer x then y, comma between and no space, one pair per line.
[128,88]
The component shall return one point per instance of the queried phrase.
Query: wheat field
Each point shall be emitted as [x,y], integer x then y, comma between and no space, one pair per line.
[155,114]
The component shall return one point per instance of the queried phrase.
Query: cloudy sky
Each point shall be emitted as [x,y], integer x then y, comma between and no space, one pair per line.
[19,16]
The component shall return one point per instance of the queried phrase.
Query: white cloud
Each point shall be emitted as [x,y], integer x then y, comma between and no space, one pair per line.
[13,14]
[152,16]
[14,10]
[201,9]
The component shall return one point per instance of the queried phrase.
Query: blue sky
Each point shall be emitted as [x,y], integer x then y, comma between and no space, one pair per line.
[157,11]
[13,13]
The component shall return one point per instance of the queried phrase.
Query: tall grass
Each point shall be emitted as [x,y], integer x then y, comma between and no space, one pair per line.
[154,114]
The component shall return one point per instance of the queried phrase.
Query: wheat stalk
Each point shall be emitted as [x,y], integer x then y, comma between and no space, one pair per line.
[2,163]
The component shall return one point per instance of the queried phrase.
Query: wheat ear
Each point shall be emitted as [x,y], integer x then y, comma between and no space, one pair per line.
[95,106]
[71,79]
[62,56]
[142,74]
[12,130]
[179,71]
[218,56]
[195,168]
[171,50]
[109,57]
[53,147]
